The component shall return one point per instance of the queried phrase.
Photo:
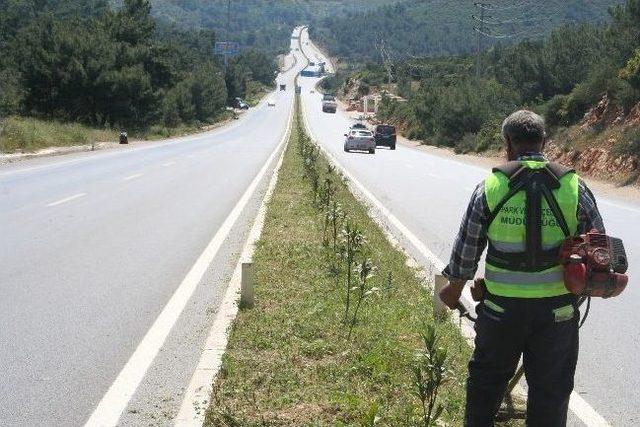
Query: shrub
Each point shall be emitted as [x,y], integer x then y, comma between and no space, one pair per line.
[629,145]
[466,144]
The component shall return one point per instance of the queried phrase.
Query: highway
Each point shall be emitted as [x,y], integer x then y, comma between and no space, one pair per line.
[428,194]
[94,245]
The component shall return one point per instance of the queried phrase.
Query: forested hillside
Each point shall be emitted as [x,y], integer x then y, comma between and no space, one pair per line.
[265,24]
[575,69]
[442,27]
[82,61]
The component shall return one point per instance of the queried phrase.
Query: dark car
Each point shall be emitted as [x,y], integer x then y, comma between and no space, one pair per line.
[240,104]
[385,135]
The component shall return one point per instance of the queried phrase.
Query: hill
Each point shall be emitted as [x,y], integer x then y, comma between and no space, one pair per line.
[441,27]
[256,23]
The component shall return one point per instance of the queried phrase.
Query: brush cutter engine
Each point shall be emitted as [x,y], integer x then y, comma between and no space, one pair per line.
[594,265]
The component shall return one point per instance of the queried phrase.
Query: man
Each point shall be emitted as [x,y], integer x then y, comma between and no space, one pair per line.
[523,211]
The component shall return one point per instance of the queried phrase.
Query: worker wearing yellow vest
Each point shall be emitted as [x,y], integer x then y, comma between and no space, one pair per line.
[522,212]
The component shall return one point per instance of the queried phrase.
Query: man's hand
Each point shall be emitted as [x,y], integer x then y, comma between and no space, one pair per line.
[450,294]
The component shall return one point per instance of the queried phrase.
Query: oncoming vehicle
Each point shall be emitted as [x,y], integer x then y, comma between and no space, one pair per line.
[329,104]
[385,135]
[360,139]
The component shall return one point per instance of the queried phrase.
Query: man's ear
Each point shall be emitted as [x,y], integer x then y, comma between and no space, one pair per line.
[509,148]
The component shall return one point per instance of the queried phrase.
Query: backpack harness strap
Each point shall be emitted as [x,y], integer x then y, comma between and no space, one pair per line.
[538,184]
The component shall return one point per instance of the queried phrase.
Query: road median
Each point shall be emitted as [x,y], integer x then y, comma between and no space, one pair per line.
[342,331]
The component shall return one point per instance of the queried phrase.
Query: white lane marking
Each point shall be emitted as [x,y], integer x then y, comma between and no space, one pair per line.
[578,405]
[134,176]
[619,206]
[198,392]
[585,412]
[110,408]
[168,164]
[66,199]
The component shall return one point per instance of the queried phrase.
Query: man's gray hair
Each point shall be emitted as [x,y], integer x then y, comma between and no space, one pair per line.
[525,127]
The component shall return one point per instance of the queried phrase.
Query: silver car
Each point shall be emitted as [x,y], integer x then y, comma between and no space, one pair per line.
[360,139]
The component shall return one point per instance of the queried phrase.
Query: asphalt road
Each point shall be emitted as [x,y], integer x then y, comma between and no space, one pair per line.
[94,245]
[429,193]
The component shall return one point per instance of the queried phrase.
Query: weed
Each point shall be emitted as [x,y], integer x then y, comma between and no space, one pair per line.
[430,374]
[366,269]
[353,241]
[372,417]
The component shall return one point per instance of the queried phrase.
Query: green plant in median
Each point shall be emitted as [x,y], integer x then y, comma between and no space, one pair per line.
[334,217]
[353,241]
[430,374]
[326,192]
[366,270]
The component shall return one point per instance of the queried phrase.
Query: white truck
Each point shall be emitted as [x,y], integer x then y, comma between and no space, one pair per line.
[329,104]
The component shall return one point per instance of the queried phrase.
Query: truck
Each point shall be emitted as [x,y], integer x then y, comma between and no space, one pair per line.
[329,104]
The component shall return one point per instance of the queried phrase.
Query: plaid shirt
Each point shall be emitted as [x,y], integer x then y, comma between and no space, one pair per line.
[472,237]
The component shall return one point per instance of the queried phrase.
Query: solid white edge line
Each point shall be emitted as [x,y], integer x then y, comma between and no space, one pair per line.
[577,404]
[113,403]
[66,199]
[196,397]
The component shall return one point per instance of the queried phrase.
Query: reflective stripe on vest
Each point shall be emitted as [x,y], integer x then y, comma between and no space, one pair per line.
[507,233]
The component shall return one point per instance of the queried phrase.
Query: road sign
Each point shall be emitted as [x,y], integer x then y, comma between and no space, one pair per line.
[226,48]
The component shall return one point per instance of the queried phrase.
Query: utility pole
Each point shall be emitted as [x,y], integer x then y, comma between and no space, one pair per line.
[480,32]
[226,53]
[507,16]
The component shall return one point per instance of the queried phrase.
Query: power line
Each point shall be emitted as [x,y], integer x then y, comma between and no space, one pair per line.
[501,22]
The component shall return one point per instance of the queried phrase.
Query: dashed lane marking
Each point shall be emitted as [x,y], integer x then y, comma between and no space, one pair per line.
[66,199]
[134,176]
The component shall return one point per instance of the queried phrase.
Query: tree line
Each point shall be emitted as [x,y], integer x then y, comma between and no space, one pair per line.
[75,60]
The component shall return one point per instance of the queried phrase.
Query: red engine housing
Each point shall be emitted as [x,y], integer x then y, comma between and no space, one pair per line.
[594,265]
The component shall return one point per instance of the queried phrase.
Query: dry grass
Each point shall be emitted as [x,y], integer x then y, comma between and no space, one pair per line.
[20,134]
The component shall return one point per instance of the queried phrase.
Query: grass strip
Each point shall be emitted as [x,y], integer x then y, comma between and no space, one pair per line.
[296,359]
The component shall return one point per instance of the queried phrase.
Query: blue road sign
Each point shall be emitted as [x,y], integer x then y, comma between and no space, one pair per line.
[226,48]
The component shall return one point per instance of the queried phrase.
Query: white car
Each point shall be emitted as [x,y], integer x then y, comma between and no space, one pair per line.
[271,102]
[360,139]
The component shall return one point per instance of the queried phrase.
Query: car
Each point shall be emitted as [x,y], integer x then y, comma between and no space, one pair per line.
[359,139]
[239,104]
[329,104]
[271,102]
[385,135]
